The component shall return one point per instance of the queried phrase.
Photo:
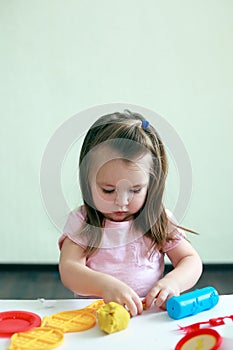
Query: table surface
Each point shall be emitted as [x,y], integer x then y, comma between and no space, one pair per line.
[153,329]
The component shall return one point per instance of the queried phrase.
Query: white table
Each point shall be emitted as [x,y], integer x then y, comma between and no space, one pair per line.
[153,330]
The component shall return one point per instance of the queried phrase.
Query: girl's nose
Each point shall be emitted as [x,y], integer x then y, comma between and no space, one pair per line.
[123,198]
[123,194]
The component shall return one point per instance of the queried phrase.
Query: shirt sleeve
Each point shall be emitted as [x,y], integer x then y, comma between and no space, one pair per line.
[72,228]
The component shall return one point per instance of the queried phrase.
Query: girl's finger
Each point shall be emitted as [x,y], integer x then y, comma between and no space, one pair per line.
[162,297]
[151,296]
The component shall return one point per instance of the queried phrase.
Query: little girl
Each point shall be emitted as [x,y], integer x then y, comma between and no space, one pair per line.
[113,246]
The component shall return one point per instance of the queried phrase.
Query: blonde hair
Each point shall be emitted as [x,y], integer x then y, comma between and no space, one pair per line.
[130,139]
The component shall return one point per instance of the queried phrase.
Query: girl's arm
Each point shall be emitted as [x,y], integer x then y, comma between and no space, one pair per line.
[79,278]
[187,270]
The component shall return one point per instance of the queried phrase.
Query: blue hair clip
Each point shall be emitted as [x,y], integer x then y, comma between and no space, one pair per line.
[145,124]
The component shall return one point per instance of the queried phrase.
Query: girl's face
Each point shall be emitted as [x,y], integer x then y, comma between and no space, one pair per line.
[120,187]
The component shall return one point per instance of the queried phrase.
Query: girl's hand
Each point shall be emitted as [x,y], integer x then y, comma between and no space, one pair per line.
[187,269]
[161,292]
[122,294]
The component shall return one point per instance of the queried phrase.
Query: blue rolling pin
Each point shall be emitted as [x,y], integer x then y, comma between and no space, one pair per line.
[191,303]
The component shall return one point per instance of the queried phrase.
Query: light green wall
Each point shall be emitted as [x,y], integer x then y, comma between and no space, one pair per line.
[61,57]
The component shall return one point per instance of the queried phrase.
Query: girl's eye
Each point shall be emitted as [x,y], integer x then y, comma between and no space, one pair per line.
[135,190]
[107,191]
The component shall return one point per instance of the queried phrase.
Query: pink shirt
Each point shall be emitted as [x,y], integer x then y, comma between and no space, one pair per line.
[123,252]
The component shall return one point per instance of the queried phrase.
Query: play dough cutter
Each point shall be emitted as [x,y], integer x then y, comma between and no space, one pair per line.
[51,333]
[70,321]
[37,339]
[94,306]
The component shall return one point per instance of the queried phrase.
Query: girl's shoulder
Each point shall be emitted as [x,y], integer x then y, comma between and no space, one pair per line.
[175,233]
[172,224]
[73,225]
[75,217]
[171,216]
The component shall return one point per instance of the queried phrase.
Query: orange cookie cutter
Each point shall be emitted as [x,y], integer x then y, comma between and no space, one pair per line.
[51,332]
[70,321]
[93,307]
[40,338]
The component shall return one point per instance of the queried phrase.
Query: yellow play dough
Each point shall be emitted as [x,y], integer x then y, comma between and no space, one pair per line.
[112,317]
